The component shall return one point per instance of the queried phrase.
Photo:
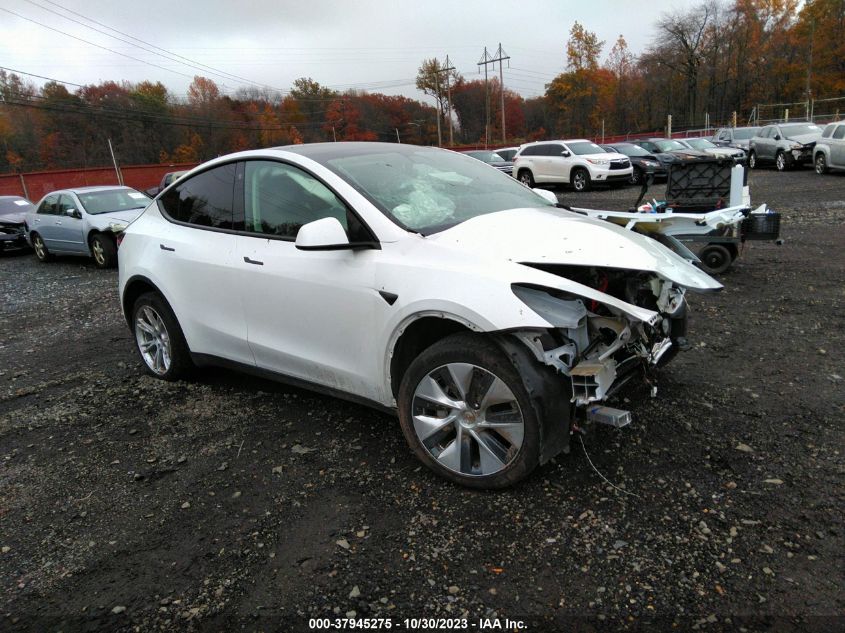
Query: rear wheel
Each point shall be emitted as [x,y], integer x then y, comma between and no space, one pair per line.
[40,247]
[526,177]
[467,415]
[820,164]
[104,250]
[159,339]
[715,259]
[580,180]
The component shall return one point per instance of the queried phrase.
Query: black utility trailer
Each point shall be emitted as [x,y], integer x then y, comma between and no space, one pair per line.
[698,184]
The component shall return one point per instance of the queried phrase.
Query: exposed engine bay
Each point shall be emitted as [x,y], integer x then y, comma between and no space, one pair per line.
[597,346]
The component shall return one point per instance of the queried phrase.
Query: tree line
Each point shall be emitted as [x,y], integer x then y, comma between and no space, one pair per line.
[705,62]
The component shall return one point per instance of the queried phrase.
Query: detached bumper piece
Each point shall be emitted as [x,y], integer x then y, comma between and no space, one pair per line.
[609,416]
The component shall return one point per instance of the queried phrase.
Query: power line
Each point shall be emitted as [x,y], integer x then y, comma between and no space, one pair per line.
[169,56]
[105,48]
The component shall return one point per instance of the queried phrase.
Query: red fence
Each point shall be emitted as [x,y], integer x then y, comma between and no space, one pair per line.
[35,184]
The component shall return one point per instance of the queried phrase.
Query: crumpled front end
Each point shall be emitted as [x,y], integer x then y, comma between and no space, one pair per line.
[601,347]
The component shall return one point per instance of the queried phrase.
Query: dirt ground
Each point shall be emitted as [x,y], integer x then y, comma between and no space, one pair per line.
[233,503]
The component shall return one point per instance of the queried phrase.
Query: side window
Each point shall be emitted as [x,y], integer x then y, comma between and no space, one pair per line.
[531,150]
[724,135]
[49,206]
[204,200]
[280,198]
[766,132]
[828,130]
[65,203]
[840,132]
[553,150]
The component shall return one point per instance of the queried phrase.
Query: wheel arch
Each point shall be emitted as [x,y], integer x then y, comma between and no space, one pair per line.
[134,288]
[416,334]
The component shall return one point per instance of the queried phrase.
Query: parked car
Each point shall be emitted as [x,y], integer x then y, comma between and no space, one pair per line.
[507,152]
[13,210]
[168,178]
[491,158]
[666,150]
[642,161]
[829,152]
[735,137]
[784,144]
[704,145]
[83,221]
[579,162]
[413,279]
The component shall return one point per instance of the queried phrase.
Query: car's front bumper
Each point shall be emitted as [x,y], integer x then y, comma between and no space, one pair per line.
[13,236]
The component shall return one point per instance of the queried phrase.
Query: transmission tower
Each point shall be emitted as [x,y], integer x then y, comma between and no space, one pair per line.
[486,59]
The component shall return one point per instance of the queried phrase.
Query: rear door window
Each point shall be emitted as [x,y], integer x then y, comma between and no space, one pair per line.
[840,132]
[205,200]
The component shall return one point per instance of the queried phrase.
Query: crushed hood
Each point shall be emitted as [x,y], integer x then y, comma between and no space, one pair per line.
[556,236]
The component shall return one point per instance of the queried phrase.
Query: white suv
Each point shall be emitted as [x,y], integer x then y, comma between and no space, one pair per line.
[414,279]
[577,162]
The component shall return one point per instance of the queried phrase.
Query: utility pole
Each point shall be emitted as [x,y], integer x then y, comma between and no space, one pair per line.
[810,70]
[439,109]
[668,126]
[447,69]
[500,56]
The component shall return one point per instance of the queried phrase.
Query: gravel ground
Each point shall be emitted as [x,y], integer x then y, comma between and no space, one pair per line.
[232,503]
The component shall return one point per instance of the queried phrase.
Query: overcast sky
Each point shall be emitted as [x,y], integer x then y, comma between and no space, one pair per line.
[376,45]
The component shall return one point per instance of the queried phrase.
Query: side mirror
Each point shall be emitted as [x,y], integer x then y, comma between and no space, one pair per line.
[777,137]
[545,193]
[326,234]
[565,153]
[73,213]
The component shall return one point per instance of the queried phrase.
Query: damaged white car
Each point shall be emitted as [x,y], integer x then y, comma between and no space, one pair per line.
[414,279]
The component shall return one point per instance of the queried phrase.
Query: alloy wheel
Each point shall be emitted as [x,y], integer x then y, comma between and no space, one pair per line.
[780,162]
[40,249]
[821,164]
[153,340]
[468,419]
[99,255]
[579,181]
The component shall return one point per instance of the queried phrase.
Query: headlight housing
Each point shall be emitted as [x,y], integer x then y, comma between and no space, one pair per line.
[598,161]
[117,227]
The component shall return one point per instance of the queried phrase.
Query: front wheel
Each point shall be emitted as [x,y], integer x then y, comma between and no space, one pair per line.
[159,339]
[820,164]
[780,162]
[526,178]
[104,250]
[40,247]
[467,415]
[580,180]
[636,176]
[752,160]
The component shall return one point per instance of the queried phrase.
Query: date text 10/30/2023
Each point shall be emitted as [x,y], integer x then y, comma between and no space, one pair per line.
[417,624]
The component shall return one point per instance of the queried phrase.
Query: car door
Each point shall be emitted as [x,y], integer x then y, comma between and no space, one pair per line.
[44,222]
[837,146]
[308,311]
[197,251]
[557,164]
[69,235]
[761,143]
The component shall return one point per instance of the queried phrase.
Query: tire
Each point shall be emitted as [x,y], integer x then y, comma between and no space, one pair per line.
[526,177]
[580,180]
[161,344]
[40,248]
[781,163]
[103,250]
[636,176]
[820,164]
[752,159]
[466,450]
[715,259]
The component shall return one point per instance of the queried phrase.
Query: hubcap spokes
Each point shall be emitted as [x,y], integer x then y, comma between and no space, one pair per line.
[468,419]
[153,340]
[98,252]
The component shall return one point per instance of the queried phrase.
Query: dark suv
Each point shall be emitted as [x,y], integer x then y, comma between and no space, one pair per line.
[784,144]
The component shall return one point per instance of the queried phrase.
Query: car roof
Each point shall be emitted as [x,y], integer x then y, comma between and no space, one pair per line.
[90,189]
